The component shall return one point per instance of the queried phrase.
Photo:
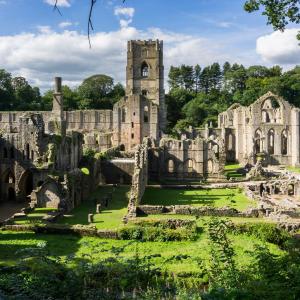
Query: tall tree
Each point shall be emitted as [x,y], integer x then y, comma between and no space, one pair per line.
[197,78]
[95,90]
[7,98]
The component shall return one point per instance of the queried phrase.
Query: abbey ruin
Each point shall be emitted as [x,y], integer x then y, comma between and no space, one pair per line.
[41,152]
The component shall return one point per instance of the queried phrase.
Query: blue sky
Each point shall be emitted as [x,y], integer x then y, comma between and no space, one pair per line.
[38,43]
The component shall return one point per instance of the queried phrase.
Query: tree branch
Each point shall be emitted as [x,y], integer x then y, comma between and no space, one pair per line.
[55,7]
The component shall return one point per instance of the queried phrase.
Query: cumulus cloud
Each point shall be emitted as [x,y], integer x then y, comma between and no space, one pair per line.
[124,11]
[41,56]
[125,14]
[65,24]
[279,47]
[62,3]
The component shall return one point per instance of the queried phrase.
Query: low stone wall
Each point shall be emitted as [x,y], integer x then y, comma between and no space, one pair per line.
[81,230]
[199,211]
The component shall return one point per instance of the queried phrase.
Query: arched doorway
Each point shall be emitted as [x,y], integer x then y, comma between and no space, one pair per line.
[258,141]
[26,184]
[11,194]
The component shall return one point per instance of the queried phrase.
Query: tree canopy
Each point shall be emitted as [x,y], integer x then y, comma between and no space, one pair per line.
[279,13]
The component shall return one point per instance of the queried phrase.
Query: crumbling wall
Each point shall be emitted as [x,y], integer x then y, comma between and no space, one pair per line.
[140,177]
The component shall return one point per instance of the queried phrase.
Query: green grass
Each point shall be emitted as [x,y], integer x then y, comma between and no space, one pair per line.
[293,169]
[109,218]
[98,249]
[204,197]
[231,171]
[232,166]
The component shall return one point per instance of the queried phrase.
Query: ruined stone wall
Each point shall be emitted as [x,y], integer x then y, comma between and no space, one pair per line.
[187,159]
[178,159]
[140,177]
[135,117]
[269,126]
[29,156]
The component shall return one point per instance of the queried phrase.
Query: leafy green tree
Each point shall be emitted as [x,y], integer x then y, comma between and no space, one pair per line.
[279,13]
[174,77]
[96,89]
[175,101]
[7,97]
[27,98]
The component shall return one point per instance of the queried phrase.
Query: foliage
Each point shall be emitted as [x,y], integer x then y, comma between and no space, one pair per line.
[266,232]
[279,13]
[158,233]
[99,92]
[197,97]
[95,92]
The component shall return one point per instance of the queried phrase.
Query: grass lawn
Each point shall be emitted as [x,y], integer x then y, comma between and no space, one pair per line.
[204,197]
[293,169]
[109,218]
[231,171]
[97,249]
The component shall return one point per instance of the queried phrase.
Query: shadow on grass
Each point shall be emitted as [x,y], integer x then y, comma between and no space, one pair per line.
[57,245]
[156,196]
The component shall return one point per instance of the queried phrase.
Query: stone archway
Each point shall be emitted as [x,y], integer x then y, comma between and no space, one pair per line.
[7,181]
[26,184]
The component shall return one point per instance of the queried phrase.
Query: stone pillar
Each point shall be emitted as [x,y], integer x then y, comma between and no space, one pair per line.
[98,208]
[294,143]
[90,218]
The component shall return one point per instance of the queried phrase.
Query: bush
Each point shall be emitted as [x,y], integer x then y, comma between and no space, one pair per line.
[157,234]
[264,231]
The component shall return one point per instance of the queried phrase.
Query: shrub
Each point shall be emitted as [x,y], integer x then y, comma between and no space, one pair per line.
[156,234]
[264,231]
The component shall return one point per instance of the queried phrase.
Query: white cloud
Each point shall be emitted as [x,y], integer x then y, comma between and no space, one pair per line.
[65,24]
[2,2]
[62,3]
[41,56]
[44,29]
[279,47]
[125,14]
[124,11]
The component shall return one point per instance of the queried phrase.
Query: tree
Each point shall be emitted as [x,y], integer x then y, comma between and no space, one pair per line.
[26,97]
[95,90]
[7,98]
[197,78]
[278,12]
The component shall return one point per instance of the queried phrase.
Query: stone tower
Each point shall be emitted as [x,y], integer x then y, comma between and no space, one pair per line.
[141,113]
[145,74]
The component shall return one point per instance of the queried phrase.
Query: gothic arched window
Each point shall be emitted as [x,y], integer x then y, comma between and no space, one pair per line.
[271,141]
[124,111]
[146,114]
[171,166]
[145,70]
[284,142]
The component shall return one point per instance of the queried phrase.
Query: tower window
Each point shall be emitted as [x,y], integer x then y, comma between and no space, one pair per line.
[132,136]
[124,111]
[145,70]
[146,114]
[144,92]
